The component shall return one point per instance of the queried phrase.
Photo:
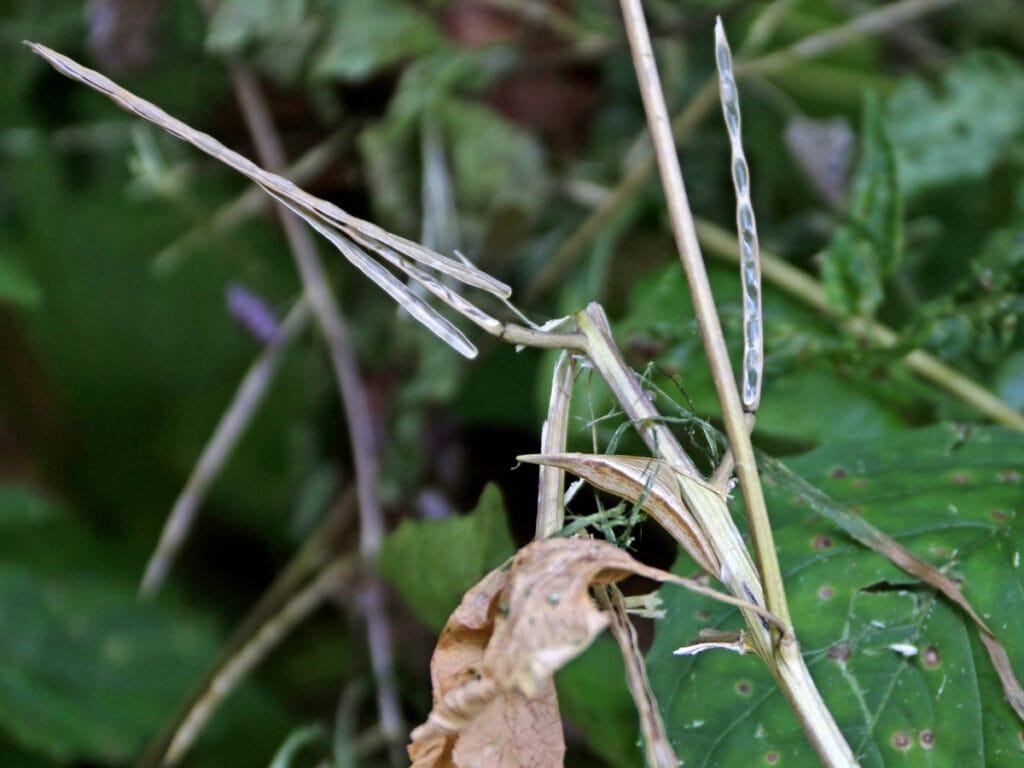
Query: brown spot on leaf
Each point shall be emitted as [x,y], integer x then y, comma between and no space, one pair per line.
[926,739]
[859,482]
[998,514]
[703,615]
[799,501]
[1009,476]
[771,758]
[838,472]
[822,542]
[839,652]
[961,478]
[901,740]
[930,657]
[743,688]
[826,593]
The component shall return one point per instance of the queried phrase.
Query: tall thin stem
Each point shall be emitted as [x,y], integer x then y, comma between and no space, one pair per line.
[704,306]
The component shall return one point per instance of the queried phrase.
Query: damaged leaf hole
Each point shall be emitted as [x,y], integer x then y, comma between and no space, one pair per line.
[771,758]
[926,739]
[822,542]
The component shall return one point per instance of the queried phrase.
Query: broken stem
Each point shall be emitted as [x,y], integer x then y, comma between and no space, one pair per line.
[551,493]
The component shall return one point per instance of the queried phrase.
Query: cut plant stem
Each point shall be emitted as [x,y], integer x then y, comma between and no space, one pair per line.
[550,493]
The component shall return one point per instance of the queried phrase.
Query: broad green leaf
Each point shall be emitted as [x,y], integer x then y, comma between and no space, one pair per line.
[371,35]
[961,130]
[88,672]
[16,287]
[432,563]
[900,669]
[867,248]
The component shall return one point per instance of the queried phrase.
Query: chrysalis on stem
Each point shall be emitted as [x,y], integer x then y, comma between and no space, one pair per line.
[750,257]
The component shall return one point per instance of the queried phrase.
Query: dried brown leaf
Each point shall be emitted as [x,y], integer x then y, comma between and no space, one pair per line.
[492,670]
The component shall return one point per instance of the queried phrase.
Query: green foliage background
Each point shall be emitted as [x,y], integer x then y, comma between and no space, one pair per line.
[115,365]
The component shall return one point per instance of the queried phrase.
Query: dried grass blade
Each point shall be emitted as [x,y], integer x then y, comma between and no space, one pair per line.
[390,284]
[649,483]
[461,305]
[273,183]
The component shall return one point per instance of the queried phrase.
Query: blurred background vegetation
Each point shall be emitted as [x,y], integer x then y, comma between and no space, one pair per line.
[890,168]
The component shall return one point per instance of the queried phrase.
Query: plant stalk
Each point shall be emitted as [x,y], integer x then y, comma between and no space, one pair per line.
[738,572]
[704,306]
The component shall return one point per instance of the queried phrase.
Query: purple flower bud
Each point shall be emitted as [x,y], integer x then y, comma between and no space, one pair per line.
[251,313]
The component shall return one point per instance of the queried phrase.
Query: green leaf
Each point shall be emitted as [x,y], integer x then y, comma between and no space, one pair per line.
[867,248]
[81,655]
[594,697]
[1010,381]
[371,35]
[900,669]
[432,563]
[960,131]
[496,166]
[805,399]
[16,287]
[239,23]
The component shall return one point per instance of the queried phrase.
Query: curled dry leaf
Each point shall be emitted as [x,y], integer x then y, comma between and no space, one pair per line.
[655,487]
[494,699]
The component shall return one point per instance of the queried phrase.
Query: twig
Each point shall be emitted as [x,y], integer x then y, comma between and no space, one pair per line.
[811,47]
[241,663]
[311,558]
[356,406]
[219,448]
[793,281]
